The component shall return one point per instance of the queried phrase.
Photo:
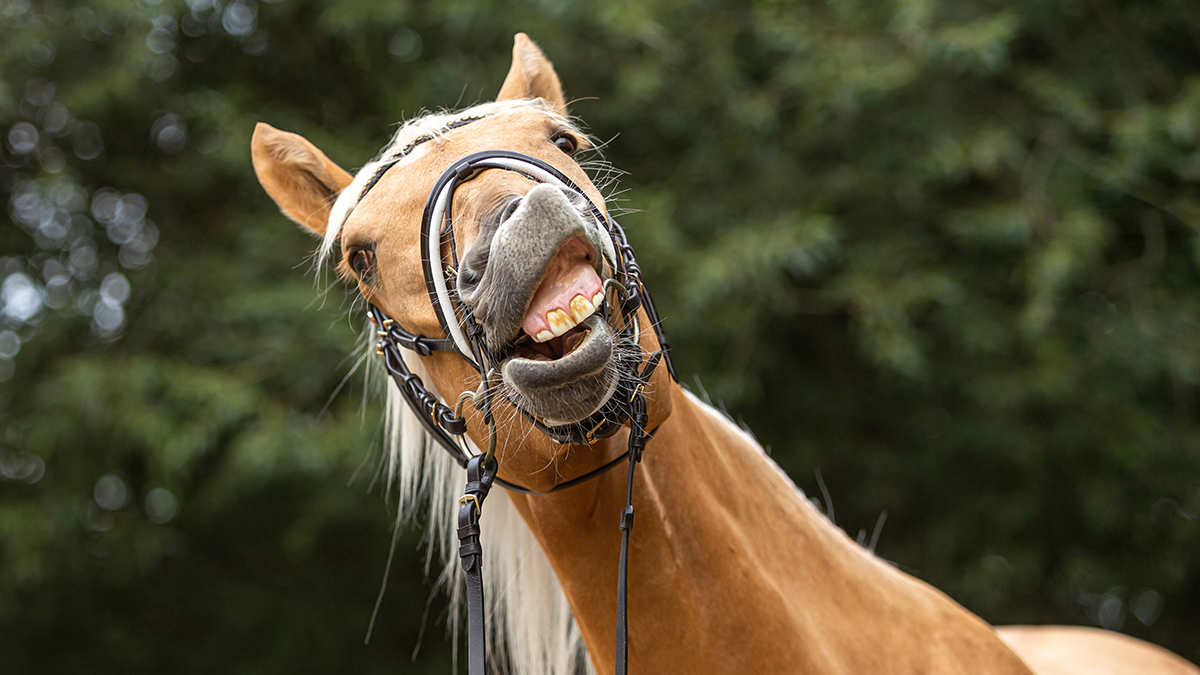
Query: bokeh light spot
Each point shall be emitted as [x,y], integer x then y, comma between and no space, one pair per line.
[110,492]
[161,505]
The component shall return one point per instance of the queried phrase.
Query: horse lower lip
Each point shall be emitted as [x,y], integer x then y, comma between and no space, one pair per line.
[588,357]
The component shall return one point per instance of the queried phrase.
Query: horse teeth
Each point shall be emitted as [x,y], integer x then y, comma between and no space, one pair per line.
[560,322]
[581,308]
[597,299]
[543,336]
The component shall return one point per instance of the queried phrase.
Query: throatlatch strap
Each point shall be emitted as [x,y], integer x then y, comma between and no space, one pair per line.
[470,554]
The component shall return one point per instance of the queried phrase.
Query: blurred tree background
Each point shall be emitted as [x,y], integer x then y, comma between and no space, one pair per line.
[945,253]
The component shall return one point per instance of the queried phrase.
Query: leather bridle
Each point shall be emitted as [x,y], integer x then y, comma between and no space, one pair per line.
[624,295]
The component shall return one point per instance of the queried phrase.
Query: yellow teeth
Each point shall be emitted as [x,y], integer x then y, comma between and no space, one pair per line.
[560,322]
[581,308]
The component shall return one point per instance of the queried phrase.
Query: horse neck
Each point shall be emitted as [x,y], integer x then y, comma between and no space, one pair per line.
[732,571]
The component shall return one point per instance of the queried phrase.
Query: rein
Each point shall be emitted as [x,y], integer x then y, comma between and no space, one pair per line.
[448,427]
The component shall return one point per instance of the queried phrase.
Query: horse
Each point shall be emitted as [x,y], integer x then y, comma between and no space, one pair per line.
[732,569]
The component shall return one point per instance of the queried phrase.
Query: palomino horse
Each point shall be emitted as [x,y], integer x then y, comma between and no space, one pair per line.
[732,570]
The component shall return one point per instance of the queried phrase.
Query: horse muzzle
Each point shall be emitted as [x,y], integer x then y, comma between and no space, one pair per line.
[539,300]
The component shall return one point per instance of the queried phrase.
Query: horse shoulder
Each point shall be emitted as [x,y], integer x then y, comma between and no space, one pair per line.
[1070,650]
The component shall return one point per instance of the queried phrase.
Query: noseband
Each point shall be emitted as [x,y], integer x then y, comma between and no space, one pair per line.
[624,295]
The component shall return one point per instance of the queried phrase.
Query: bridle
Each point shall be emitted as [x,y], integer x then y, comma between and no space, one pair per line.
[625,402]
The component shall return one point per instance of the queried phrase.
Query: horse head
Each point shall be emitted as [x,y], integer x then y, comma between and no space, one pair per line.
[528,259]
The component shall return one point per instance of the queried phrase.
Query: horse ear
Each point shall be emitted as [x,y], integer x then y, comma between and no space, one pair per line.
[298,176]
[532,76]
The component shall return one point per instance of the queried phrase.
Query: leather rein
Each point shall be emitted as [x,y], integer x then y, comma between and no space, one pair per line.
[624,295]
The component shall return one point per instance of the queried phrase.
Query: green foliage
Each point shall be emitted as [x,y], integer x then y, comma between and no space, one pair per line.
[944,252]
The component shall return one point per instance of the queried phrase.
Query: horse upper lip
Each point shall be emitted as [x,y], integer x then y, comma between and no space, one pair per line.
[520,256]
[569,292]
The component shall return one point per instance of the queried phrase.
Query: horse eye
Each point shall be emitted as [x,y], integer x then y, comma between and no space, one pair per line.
[565,143]
[361,261]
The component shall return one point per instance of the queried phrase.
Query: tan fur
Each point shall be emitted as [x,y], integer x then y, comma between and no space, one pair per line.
[1071,650]
[532,76]
[731,571]
[298,176]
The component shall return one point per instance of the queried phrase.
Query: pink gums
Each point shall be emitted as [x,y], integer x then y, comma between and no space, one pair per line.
[569,274]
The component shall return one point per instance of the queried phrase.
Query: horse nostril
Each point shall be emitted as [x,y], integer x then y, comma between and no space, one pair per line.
[511,208]
[468,275]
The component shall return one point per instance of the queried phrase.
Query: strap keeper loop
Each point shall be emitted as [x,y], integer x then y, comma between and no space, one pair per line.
[627,519]
[465,172]
[421,347]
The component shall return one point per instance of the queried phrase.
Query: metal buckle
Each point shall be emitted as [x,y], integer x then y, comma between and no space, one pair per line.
[590,436]
[622,292]
[637,390]
[379,348]
[462,501]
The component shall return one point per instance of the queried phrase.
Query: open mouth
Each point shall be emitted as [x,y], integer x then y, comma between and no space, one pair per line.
[570,292]
[558,361]
[536,289]
[552,349]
